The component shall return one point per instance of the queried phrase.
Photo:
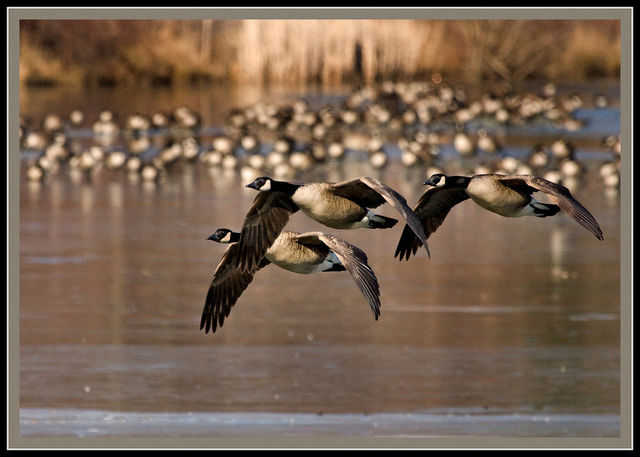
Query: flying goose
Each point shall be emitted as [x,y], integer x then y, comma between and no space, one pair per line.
[343,205]
[506,195]
[303,253]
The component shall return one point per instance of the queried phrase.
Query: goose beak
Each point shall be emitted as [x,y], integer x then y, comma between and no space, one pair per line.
[252,185]
[428,182]
[212,237]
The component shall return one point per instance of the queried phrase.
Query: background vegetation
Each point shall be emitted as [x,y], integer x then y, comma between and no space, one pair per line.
[150,52]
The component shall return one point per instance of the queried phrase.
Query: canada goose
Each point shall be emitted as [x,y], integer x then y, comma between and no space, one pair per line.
[47,164]
[303,253]
[249,143]
[115,159]
[343,205]
[229,162]
[58,149]
[150,172]
[105,125]
[335,150]
[610,174]
[409,116]
[139,145]
[378,158]
[52,123]
[170,154]
[612,143]
[506,195]
[76,118]
[562,149]
[35,172]
[255,161]
[212,158]
[463,143]
[35,140]
[502,115]
[538,157]
[184,117]
[571,168]
[487,142]
[159,120]
[223,144]
[190,148]
[133,164]
[600,101]
[135,123]
[301,159]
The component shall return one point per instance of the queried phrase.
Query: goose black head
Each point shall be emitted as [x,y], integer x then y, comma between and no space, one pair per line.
[223,235]
[436,180]
[441,180]
[262,184]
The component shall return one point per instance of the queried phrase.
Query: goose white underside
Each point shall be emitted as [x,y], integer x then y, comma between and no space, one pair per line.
[529,210]
[365,222]
[329,262]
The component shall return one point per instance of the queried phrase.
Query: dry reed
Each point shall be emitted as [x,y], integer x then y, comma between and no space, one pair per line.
[314,51]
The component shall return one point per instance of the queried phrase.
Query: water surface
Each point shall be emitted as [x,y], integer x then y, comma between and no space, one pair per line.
[511,329]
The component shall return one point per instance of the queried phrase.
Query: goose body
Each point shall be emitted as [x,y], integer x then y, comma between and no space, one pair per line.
[318,201]
[302,253]
[493,196]
[506,195]
[344,205]
[290,253]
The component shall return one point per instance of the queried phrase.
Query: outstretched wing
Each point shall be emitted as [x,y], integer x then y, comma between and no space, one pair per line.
[267,216]
[355,261]
[560,195]
[227,285]
[358,191]
[372,190]
[432,208]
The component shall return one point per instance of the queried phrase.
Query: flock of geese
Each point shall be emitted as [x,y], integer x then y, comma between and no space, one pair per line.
[348,205]
[270,145]
[419,122]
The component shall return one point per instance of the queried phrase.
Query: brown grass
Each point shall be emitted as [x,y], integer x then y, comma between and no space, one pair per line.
[94,52]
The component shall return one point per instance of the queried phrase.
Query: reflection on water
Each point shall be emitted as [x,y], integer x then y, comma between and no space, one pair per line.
[509,314]
[511,320]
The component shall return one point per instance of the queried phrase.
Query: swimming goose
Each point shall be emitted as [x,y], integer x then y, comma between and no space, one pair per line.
[303,253]
[344,205]
[506,195]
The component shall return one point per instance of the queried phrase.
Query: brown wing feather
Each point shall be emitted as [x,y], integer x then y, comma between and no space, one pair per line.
[560,195]
[355,261]
[400,204]
[432,208]
[264,221]
[227,284]
[358,191]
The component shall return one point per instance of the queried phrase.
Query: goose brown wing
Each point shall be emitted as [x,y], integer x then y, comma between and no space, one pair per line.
[432,208]
[360,192]
[560,195]
[355,261]
[367,187]
[266,218]
[227,284]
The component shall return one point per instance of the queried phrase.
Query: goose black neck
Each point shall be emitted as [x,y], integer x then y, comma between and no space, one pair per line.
[284,187]
[458,181]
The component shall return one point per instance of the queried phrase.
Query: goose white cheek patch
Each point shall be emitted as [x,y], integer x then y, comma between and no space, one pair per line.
[266,187]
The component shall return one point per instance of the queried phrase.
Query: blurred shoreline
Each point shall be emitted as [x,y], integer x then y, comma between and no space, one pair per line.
[313,52]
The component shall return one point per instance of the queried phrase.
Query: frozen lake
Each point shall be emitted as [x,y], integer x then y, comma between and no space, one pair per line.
[511,329]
